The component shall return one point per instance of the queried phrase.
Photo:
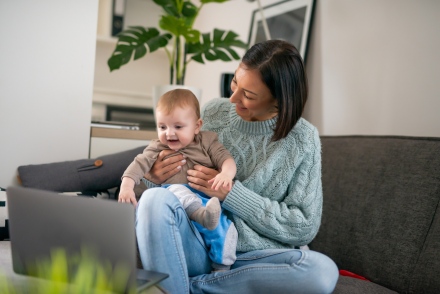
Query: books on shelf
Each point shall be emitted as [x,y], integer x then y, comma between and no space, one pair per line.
[115,125]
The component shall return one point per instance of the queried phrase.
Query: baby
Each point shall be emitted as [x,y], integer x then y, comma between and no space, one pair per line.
[179,129]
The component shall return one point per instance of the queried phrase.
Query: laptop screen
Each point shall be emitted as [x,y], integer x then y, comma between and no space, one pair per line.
[46,226]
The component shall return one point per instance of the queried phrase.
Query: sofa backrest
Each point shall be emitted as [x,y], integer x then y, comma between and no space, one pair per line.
[381,209]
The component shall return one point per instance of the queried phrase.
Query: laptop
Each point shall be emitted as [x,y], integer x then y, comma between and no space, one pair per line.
[42,221]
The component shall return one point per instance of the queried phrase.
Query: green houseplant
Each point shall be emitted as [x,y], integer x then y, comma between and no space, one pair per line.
[67,273]
[180,40]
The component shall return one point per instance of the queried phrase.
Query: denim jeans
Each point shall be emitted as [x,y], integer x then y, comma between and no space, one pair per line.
[168,242]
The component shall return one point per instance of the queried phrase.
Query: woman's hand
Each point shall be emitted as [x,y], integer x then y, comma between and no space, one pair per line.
[163,169]
[198,179]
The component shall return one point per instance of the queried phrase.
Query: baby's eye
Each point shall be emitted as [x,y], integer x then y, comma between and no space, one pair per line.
[179,127]
[162,127]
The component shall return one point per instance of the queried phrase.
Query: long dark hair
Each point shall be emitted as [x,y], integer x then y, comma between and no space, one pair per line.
[282,70]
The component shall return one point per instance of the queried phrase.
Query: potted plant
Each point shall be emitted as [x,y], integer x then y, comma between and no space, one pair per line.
[179,39]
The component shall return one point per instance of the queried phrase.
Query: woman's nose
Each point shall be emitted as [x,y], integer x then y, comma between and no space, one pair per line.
[234,97]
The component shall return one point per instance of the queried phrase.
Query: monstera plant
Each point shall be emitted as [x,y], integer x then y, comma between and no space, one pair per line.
[178,38]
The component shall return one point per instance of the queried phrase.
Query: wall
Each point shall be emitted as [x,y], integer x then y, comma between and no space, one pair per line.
[132,84]
[47,52]
[374,67]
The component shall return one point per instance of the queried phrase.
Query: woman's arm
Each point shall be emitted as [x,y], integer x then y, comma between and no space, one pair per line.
[294,218]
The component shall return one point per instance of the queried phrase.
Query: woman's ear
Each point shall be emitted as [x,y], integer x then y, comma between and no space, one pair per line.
[199,124]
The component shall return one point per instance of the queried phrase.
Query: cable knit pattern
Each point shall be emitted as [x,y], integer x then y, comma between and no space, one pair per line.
[276,201]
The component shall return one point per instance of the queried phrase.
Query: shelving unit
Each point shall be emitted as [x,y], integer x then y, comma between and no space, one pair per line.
[105,141]
[132,85]
[100,39]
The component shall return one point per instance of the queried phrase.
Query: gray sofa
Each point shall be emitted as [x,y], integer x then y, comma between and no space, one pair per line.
[381,213]
[381,198]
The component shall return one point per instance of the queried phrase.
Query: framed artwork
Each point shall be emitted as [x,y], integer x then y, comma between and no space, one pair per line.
[287,20]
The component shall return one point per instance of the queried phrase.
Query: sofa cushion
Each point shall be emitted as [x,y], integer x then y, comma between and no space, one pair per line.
[380,199]
[80,175]
[425,277]
[347,285]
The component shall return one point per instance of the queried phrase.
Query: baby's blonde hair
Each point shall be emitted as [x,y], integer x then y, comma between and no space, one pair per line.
[178,98]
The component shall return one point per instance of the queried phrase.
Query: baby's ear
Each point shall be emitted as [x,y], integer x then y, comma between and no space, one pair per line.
[199,124]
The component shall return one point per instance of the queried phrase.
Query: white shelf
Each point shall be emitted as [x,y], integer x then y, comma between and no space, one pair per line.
[124,98]
[107,40]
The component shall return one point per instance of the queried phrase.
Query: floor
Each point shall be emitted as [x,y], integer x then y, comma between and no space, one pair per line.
[19,281]
[5,255]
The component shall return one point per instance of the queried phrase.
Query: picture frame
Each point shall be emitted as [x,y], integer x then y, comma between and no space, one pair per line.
[287,20]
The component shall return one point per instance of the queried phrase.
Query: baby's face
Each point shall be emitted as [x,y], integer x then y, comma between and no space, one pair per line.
[178,128]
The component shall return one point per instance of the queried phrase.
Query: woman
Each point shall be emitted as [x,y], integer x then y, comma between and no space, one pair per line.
[276,199]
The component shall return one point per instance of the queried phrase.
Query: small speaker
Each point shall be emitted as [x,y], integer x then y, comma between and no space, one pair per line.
[225,84]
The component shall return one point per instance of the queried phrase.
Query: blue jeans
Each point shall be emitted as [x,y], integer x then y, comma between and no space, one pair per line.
[168,242]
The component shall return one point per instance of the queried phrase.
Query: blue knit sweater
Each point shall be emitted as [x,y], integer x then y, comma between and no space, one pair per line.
[276,200]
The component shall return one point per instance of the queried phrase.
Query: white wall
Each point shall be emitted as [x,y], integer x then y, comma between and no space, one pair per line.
[47,53]
[374,67]
[234,15]
[134,82]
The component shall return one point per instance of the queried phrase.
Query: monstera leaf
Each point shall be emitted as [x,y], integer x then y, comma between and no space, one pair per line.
[178,27]
[186,10]
[217,47]
[136,41]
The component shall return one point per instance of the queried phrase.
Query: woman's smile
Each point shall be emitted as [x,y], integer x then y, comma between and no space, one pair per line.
[240,108]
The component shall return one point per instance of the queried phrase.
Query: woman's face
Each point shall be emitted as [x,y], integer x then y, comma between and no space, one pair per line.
[252,98]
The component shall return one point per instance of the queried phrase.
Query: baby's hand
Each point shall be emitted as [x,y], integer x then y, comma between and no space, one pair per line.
[127,196]
[221,180]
